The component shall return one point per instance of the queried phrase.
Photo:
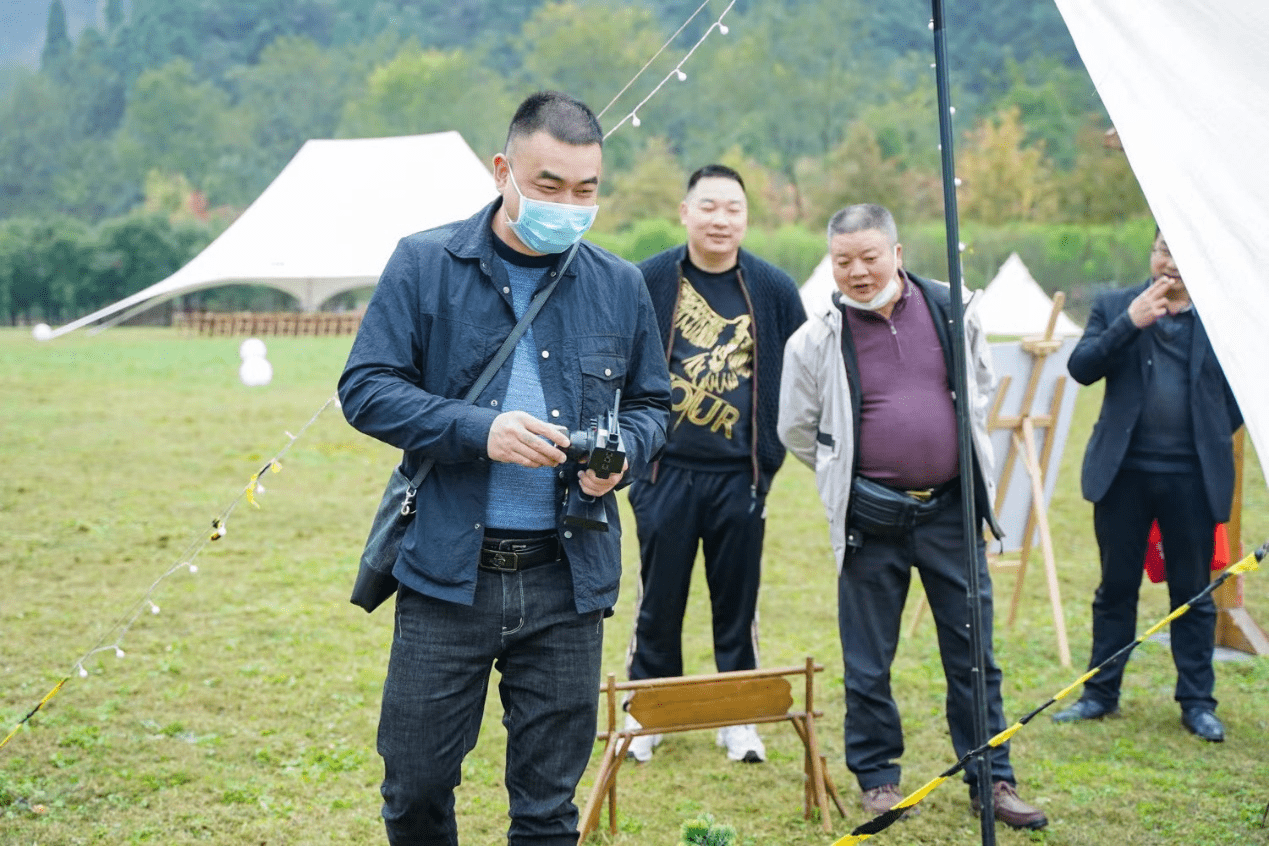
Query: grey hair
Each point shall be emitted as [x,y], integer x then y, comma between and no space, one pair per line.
[863,217]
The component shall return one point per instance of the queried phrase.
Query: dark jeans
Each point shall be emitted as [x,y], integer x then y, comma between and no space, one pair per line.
[1122,523]
[525,624]
[871,592]
[683,508]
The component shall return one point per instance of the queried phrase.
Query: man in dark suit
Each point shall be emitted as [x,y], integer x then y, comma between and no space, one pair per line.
[1161,451]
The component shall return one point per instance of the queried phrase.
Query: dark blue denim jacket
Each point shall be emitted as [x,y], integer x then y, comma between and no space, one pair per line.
[438,315]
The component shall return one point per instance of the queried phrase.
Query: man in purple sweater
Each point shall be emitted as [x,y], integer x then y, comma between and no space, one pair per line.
[867,400]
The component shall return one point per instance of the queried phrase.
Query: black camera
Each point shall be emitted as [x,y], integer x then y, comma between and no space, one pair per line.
[601,447]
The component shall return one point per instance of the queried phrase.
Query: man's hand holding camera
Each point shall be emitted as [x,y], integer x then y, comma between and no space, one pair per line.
[593,485]
[518,437]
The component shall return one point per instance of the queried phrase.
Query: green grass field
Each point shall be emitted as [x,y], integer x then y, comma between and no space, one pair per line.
[245,710]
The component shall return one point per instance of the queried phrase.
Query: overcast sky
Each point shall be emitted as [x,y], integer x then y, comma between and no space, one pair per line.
[23,22]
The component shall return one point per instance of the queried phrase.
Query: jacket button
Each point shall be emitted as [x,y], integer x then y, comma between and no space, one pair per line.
[568,534]
[546,353]
[477,526]
[607,371]
[555,412]
[494,403]
[506,290]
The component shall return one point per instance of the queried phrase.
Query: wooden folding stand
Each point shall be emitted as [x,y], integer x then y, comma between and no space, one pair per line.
[688,703]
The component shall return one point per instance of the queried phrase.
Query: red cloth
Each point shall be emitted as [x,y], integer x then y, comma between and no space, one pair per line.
[1154,552]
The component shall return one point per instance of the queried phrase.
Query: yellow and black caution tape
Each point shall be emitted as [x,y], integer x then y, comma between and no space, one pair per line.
[883,821]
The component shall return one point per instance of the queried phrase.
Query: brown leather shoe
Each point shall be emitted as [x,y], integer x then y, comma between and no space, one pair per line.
[1011,810]
[877,800]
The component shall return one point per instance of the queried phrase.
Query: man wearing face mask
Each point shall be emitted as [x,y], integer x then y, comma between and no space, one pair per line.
[490,573]
[867,401]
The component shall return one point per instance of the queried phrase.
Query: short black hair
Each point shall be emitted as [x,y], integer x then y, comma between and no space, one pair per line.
[563,117]
[714,170]
[862,217]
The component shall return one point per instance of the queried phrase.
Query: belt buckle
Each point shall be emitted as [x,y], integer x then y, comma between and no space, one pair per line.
[922,496]
[502,561]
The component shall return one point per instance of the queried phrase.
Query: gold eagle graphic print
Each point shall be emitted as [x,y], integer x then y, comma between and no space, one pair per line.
[724,360]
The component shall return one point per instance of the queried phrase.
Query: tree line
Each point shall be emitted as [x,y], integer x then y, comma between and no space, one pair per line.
[173,115]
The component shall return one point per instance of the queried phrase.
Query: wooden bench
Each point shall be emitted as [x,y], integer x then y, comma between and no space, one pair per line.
[689,703]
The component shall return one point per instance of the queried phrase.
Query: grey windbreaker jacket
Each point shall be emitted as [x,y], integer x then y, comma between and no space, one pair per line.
[816,421]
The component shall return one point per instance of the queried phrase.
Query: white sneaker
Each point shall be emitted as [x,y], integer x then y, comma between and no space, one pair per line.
[742,744]
[642,745]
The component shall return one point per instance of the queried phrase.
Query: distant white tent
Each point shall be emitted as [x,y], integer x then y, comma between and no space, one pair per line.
[1013,303]
[817,291]
[330,220]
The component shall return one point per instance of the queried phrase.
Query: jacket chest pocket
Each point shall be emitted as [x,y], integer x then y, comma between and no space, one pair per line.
[603,374]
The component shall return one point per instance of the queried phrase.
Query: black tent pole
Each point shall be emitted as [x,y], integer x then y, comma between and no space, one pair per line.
[960,381]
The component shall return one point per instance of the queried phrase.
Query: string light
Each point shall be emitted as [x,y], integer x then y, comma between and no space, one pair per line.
[676,73]
[113,639]
[667,43]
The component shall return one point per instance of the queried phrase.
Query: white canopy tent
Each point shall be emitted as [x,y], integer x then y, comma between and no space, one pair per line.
[330,220]
[1186,83]
[1013,303]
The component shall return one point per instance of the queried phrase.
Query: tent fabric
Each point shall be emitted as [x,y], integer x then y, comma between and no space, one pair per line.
[1185,83]
[1013,303]
[329,221]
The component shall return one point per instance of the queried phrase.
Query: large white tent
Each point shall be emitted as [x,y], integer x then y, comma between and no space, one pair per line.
[1185,83]
[330,220]
[1013,303]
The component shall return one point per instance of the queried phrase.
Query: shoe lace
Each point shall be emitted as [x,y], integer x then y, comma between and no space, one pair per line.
[1004,787]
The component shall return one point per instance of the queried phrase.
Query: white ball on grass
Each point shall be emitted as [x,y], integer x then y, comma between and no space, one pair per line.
[255,372]
[42,332]
[252,348]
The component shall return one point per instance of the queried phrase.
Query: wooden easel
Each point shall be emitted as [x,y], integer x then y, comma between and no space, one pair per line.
[1234,626]
[1022,447]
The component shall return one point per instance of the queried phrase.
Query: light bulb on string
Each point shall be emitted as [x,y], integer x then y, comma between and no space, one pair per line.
[119,653]
[682,76]
[722,28]
[83,673]
[634,120]
[154,609]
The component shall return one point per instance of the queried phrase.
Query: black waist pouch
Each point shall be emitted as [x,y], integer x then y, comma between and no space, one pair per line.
[883,511]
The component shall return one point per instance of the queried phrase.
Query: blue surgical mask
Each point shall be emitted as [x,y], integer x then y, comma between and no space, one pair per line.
[549,227]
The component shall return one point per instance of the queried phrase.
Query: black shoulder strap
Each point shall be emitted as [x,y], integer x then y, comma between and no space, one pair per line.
[503,353]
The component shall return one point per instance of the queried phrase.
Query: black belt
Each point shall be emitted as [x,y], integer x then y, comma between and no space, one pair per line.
[509,555]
